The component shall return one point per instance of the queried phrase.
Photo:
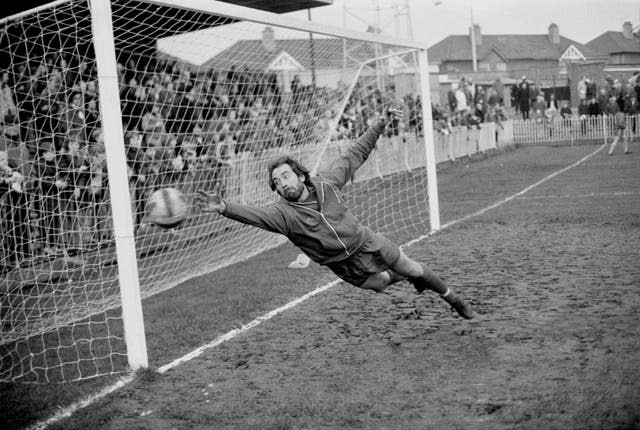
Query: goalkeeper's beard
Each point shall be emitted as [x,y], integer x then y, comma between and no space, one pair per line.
[292,194]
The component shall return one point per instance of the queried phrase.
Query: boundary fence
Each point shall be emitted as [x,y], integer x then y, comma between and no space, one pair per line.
[572,129]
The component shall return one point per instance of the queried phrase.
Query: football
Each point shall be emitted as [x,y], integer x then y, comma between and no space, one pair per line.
[167,208]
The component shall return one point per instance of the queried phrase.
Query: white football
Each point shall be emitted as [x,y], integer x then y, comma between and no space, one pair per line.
[167,207]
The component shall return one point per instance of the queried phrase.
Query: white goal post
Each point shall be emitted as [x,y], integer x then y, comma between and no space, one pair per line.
[111,114]
[105,101]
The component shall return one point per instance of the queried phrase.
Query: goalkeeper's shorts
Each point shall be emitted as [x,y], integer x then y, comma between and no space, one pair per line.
[376,255]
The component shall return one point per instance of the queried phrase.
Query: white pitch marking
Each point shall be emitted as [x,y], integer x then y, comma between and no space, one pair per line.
[68,411]
[581,196]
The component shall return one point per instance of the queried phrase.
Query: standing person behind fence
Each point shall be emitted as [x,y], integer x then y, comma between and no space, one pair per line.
[312,214]
[565,115]
[565,111]
[582,89]
[48,186]
[583,114]
[461,97]
[594,108]
[73,120]
[14,198]
[613,109]
[523,98]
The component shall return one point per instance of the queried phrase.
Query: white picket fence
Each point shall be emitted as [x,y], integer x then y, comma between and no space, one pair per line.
[572,129]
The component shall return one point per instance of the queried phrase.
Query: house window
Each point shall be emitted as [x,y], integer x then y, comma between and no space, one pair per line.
[484,67]
[501,67]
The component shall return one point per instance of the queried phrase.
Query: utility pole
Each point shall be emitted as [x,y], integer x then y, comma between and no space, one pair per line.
[474,56]
[313,54]
[344,39]
[377,47]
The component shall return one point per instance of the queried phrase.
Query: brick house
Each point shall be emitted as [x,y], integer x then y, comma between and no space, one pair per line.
[542,58]
[622,48]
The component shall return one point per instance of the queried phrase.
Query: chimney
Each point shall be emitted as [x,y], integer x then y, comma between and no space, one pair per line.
[268,39]
[554,34]
[477,34]
[627,30]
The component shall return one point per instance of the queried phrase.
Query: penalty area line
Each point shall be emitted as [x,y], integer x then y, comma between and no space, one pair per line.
[68,411]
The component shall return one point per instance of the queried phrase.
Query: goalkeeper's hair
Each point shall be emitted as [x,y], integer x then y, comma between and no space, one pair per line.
[297,168]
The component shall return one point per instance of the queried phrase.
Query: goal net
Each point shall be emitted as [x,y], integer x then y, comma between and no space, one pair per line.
[209,93]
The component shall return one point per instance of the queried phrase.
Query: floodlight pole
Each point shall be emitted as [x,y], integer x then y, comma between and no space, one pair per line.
[474,55]
[111,115]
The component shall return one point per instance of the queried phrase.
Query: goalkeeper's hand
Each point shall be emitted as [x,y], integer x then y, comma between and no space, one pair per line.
[210,202]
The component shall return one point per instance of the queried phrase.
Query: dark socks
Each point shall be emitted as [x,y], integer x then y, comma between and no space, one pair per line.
[429,281]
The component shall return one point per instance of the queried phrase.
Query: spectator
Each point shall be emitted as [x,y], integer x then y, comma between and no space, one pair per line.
[92,119]
[74,119]
[133,105]
[93,209]
[16,238]
[496,115]
[565,111]
[8,110]
[594,108]
[523,98]
[632,109]
[451,98]
[583,114]
[48,186]
[582,89]
[498,91]
[73,178]
[534,92]
[591,89]
[552,103]
[480,104]
[461,98]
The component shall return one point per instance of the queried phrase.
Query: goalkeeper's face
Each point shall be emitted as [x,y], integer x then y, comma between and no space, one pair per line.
[288,184]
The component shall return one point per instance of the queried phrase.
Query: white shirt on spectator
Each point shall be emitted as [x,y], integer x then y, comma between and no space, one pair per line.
[461,100]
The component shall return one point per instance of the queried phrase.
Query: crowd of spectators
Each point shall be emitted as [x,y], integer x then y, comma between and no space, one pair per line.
[531,102]
[469,105]
[51,157]
[598,99]
[611,97]
[366,104]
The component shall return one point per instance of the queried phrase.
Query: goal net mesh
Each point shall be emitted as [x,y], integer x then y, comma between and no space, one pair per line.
[205,100]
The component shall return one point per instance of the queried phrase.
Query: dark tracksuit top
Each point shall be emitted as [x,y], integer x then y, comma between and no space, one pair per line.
[326,236]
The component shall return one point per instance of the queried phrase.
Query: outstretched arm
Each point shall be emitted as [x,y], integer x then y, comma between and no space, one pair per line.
[265,217]
[344,167]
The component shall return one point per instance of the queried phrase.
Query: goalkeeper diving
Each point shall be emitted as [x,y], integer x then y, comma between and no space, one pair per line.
[312,215]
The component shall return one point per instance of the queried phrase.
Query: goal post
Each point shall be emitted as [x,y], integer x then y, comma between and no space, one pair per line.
[111,114]
[106,101]
[429,145]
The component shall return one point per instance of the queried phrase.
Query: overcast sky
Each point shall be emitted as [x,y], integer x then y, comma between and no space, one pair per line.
[431,21]
[580,20]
